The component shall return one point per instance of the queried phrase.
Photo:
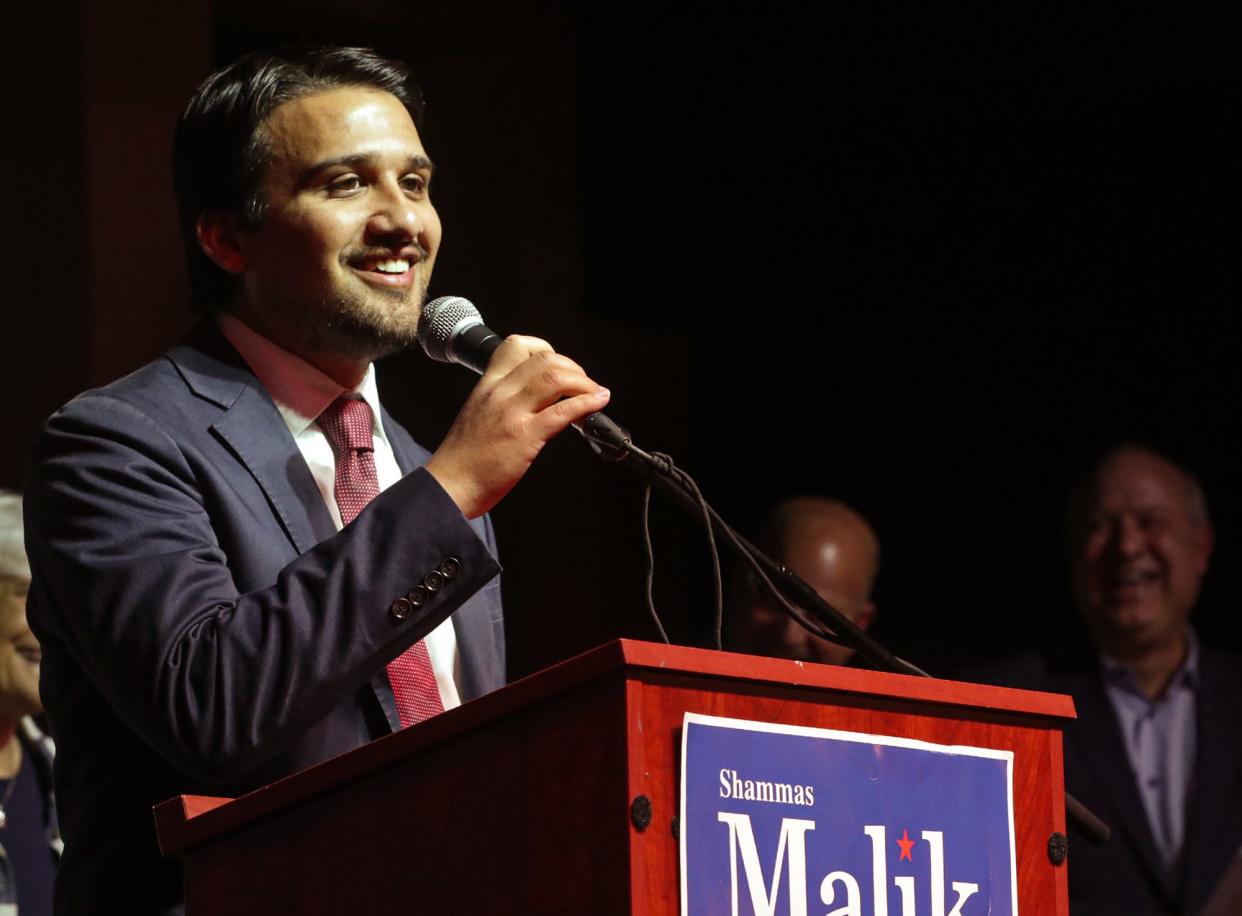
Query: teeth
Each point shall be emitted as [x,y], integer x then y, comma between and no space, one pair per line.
[393,266]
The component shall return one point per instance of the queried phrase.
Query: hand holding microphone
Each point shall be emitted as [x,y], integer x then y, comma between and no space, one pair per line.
[528,393]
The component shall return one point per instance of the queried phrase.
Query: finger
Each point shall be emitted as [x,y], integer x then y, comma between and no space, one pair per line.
[553,419]
[543,379]
[513,351]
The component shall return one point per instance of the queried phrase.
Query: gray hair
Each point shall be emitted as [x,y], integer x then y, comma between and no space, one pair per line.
[1084,492]
[13,562]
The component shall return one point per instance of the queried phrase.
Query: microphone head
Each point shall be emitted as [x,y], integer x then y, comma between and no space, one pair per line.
[441,321]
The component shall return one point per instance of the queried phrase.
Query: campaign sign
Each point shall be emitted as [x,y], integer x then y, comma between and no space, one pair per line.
[781,819]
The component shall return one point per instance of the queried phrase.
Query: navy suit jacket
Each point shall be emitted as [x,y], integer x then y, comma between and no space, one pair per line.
[1124,877]
[205,628]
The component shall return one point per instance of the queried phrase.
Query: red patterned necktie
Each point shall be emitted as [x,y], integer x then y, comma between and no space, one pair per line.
[347,424]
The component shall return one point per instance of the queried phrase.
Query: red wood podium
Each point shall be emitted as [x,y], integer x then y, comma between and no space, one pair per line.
[520,802]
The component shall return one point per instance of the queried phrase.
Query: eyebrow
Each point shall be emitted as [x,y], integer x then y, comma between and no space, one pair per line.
[354,160]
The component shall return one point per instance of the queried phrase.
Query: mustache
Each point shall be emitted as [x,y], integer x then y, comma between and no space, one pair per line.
[411,251]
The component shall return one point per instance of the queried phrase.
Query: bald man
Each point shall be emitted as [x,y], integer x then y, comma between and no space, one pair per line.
[832,548]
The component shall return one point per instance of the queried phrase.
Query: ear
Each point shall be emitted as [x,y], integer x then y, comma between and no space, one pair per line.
[1207,540]
[219,238]
[865,616]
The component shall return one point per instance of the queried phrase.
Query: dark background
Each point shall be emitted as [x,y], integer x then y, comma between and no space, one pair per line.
[931,263]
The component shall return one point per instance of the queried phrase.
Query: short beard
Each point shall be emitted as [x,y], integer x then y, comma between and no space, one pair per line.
[356,327]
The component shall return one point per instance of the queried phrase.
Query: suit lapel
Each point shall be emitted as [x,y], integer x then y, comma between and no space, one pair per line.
[1098,739]
[1211,827]
[409,454]
[256,434]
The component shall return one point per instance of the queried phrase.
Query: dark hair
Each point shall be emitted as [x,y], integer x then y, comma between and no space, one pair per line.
[220,150]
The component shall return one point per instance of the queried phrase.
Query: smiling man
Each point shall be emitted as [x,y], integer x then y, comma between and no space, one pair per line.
[242,565]
[1140,543]
[1155,750]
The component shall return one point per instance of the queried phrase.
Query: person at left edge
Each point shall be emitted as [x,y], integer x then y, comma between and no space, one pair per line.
[205,626]
[29,839]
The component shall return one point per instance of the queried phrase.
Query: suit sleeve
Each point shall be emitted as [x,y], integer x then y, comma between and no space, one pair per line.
[133,583]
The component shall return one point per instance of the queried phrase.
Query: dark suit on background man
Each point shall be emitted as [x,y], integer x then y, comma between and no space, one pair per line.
[1124,877]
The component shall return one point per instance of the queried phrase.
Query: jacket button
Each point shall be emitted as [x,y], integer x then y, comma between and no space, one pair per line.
[401,608]
[450,567]
[418,596]
[433,580]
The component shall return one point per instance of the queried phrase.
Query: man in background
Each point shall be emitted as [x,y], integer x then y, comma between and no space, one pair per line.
[29,839]
[1155,751]
[835,551]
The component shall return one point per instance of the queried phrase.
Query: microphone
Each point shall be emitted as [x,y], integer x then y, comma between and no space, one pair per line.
[451,330]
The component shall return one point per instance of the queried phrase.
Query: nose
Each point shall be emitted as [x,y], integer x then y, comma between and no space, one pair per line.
[1127,539]
[396,219]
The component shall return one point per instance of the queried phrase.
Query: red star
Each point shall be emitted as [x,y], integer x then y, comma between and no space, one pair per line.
[906,843]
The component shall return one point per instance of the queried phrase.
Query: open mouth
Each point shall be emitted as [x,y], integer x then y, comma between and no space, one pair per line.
[392,266]
[1130,583]
[388,269]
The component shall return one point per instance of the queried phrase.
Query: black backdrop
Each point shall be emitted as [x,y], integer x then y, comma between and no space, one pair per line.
[932,263]
[929,262]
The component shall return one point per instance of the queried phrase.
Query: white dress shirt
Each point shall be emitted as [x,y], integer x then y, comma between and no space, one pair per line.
[301,393]
[1160,739]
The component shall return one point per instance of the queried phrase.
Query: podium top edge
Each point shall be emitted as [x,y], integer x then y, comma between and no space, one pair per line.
[785,673]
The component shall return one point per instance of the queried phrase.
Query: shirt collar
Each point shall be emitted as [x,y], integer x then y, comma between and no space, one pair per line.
[300,391]
[1117,673]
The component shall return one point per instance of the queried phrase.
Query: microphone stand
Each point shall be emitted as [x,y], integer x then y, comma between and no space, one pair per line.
[613,443]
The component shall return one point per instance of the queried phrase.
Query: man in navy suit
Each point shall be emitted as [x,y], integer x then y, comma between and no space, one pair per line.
[1155,751]
[208,623]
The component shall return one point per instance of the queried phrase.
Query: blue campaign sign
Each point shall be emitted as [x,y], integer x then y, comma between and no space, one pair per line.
[780,819]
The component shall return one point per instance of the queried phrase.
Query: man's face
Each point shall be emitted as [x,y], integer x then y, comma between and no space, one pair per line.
[1140,556]
[342,258]
[839,573]
[19,653]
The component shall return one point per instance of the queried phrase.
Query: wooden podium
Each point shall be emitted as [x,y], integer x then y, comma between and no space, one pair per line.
[524,801]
